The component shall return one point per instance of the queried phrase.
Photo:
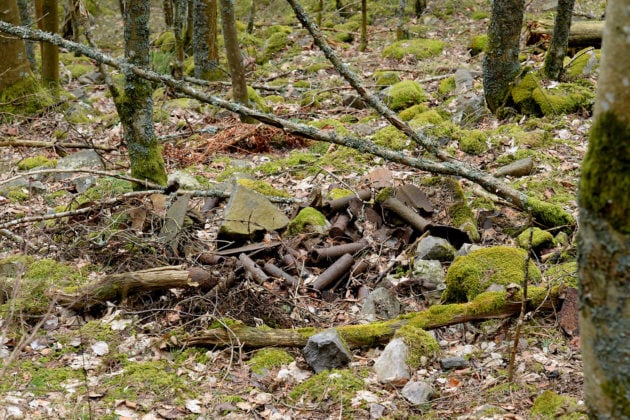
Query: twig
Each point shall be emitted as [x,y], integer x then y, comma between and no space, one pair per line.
[144,183]
[521,316]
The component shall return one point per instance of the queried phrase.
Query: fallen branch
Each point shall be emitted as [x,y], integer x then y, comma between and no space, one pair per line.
[489,305]
[33,143]
[120,286]
[545,213]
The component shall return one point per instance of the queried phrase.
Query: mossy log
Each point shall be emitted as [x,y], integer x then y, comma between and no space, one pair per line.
[583,33]
[122,285]
[489,305]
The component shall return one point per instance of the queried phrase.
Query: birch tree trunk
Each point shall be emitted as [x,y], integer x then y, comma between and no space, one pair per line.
[604,239]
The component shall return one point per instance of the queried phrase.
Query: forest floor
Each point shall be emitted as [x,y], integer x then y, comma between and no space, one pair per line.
[122,359]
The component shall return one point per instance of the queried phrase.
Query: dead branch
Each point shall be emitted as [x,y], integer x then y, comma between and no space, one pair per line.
[120,286]
[545,213]
[32,143]
[491,305]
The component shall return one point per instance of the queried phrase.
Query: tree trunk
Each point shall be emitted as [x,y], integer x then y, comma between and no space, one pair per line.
[501,65]
[26,19]
[400,28]
[251,17]
[48,20]
[559,42]
[14,66]
[419,7]
[604,235]
[167,8]
[364,40]
[233,53]
[178,33]
[135,108]
[205,49]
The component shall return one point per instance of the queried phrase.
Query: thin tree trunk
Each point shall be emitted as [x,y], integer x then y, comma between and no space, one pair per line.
[364,40]
[604,234]
[26,19]
[559,42]
[167,7]
[501,65]
[251,17]
[400,28]
[178,33]
[419,7]
[135,108]
[48,20]
[233,53]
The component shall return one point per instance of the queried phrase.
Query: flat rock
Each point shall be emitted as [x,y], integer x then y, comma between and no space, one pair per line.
[417,392]
[432,248]
[249,213]
[380,304]
[456,362]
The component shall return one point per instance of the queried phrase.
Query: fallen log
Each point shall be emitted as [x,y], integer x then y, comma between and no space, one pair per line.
[120,286]
[489,305]
[582,34]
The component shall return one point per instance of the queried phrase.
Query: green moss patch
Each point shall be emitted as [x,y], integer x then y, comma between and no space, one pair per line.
[418,48]
[478,44]
[551,405]
[386,78]
[472,274]
[405,94]
[269,358]
[420,343]
[338,386]
[540,239]
[308,220]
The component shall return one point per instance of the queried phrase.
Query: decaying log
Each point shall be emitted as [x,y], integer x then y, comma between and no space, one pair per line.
[319,255]
[275,271]
[489,305]
[343,202]
[120,286]
[583,33]
[253,269]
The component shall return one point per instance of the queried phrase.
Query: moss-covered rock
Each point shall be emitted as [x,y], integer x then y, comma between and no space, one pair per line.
[405,94]
[531,98]
[166,41]
[308,220]
[478,44]
[275,43]
[550,405]
[422,345]
[472,274]
[386,78]
[418,48]
[411,112]
[262,187]
[392,138]
[473,142]
[35,162]
[583,64]
[540,239]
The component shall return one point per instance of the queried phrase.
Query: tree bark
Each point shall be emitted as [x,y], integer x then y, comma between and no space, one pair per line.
[233,53]
[27,20]
[48,20]
[205,49]
[364,39]
[559,42]
[135,108]
[14,67]
[604,236]
[500,64]
[486,306]
[545,213]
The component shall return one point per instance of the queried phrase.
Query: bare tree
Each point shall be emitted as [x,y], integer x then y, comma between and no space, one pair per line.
[205,48]
[48,20]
